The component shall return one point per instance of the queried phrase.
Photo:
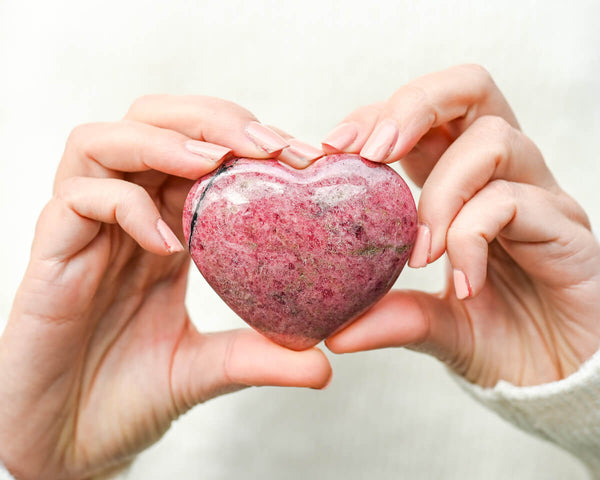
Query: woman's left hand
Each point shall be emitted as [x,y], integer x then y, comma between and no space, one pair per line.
[524,283]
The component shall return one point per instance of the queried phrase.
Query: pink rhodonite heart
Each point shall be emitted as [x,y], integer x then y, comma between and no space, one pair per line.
[298,254]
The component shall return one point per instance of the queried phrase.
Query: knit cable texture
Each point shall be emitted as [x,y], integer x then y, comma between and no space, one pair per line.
[565,412]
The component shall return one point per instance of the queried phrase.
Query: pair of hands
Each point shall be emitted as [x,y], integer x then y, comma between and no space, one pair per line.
[99,354]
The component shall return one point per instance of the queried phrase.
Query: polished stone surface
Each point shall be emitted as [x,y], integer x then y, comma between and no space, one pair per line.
[298,254]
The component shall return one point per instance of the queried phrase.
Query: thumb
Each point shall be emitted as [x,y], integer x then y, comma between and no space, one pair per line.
[208,365]
[418,320]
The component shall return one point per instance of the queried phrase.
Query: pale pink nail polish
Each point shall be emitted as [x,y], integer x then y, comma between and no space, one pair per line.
[341,137]
[461,285]
[265,138]
[422,250]
[300,154]
[171,241]
[381,142]
[208,151]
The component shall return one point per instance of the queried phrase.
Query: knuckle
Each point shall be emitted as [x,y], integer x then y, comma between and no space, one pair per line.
[572,209]
[142,102]
[501,188]
[416,95]
[482,76]
[84,138]
[46,211]
[367,111]
[411,93]
[65,189]
[129,201]
[208,110]
[214,105]
[498,135]
[495,125]
[457,235]
[503,194]
[477,69]
[133,194]
[80,135]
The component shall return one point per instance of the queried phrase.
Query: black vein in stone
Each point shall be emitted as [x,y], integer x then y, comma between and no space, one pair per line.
[221,169]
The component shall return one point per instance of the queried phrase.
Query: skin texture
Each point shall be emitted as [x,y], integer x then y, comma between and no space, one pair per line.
[300,253]
[99,355]
[520,249]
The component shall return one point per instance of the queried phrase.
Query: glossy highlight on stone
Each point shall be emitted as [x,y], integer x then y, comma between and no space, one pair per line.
[299,254]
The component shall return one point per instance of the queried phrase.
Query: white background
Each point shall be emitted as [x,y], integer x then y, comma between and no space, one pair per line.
[303,66]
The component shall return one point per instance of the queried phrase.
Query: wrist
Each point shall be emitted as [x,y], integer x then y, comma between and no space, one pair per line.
[564,412]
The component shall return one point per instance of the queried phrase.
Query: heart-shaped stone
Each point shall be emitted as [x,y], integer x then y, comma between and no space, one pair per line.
[298,254]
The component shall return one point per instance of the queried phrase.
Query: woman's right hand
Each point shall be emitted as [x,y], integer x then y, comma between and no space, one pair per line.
[99,355]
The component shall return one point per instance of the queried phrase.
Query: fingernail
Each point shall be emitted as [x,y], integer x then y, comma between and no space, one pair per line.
[381,142]
[171,241]
[209,151]
[300,154]
[420,254]
[341,137]
[265,138]
[461,285]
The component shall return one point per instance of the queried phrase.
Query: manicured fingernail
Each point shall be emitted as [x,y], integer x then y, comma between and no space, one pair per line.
[420,254]
[171,241]
[461,285]
[300,154]
[341,137]
[381,142]
[209,151]
[265,138]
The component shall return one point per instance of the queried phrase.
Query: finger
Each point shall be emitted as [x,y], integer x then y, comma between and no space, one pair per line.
[299,154]
[209,365]
[351,134]
[101,149]
[462,94]
[490,149]
[73,218]
[418,163]
[211,120]
[524,212]
[413,319]
[522,218]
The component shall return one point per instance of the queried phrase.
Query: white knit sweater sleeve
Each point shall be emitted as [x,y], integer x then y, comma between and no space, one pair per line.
[566,412]
[4,475]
